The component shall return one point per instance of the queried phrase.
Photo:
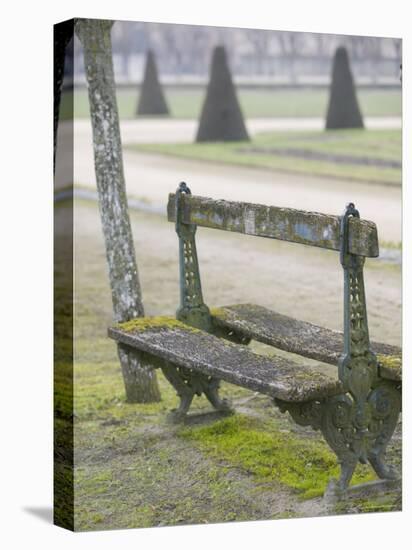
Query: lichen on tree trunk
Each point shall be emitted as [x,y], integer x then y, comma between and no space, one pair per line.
[141,383]
[62,35]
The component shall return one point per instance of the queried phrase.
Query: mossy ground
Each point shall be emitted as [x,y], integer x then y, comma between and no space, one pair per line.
[390,501]
[270,451]
[63,372]
[132,469]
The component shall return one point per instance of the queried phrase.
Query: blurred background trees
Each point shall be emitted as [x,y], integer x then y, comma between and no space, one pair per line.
[184,51]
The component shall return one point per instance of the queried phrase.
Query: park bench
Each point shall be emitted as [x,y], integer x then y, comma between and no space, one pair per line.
[357,410]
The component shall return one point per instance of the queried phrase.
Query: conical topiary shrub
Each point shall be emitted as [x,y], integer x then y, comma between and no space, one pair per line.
[151,99]
[221,118]
[343,109]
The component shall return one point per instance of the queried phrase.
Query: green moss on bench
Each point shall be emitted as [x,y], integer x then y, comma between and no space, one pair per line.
[390,366]
[192,348]
[149,323]
[219,312]
[390,361]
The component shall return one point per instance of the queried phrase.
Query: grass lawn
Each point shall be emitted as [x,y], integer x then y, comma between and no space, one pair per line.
[267,150]
[186,103]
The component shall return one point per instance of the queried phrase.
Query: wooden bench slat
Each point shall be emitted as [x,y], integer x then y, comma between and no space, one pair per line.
[191,348]
[286,224]
[306,339]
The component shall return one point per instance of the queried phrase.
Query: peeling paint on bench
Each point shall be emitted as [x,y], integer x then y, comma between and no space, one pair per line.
[286,224]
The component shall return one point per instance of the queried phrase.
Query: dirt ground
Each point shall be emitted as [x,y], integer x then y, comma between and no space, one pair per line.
[133,469]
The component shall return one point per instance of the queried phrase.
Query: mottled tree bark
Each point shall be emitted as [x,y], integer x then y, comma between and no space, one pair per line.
[62,34]
[140,382]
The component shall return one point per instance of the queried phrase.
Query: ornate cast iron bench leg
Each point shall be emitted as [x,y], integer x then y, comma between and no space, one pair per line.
[359,423]
[353,438]
[360,431]
[211,391]
[194,312]
[183,390]
[385,402]
[367,420]
[188,384]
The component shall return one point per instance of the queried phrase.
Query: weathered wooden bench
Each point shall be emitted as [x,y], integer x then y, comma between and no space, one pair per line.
[356,410]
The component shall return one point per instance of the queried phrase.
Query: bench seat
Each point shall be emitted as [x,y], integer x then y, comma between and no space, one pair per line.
[300,337]
[184,346]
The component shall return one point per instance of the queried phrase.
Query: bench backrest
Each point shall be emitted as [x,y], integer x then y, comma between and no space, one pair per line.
[285,224]
[354,238]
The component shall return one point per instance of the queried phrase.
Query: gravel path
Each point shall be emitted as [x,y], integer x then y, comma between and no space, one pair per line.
[151,178]
[184,130]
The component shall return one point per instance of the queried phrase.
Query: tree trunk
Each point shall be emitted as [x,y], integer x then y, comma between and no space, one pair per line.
[141,383]
[62,34]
